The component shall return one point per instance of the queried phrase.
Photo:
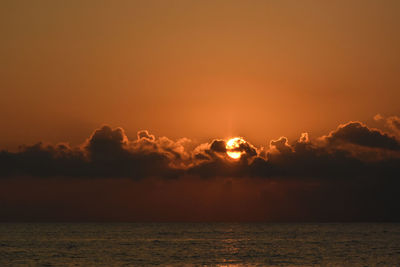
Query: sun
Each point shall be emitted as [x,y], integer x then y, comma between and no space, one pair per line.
[232,147]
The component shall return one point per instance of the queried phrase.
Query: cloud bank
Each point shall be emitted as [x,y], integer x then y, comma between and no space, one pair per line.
[350,174]
[351,150]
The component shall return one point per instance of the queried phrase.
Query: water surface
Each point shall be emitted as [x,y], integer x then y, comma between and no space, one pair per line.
[199,244]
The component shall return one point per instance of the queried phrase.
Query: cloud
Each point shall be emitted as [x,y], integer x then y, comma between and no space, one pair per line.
[358,133]
[144,134]
[304,138]
[107,144]
[281,145]
[109,152]
[378,117]
[394,123]
[352,173]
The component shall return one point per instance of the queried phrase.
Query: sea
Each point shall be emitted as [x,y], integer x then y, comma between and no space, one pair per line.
[199,244]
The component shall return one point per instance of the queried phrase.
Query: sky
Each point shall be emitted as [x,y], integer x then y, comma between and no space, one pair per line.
[145,94]
[196,69]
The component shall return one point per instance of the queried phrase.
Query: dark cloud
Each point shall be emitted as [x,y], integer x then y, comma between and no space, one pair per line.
[247,150]
[359,134]
[281,145]
[341,156]
[109,152]
[218,146]
[351,173]
[107,144]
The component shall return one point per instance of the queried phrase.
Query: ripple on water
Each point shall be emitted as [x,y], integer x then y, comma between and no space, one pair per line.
[198,244]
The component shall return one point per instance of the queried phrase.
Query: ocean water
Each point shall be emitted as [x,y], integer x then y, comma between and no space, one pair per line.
[218,244]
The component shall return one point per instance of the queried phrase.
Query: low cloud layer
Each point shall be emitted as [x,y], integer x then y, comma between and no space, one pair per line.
[350,174]
[351,150]
[359,134]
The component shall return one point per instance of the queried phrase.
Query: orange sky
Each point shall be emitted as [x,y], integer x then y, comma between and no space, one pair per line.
[204,69]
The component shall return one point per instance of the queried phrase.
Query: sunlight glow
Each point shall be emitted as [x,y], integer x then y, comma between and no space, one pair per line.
[232,147]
